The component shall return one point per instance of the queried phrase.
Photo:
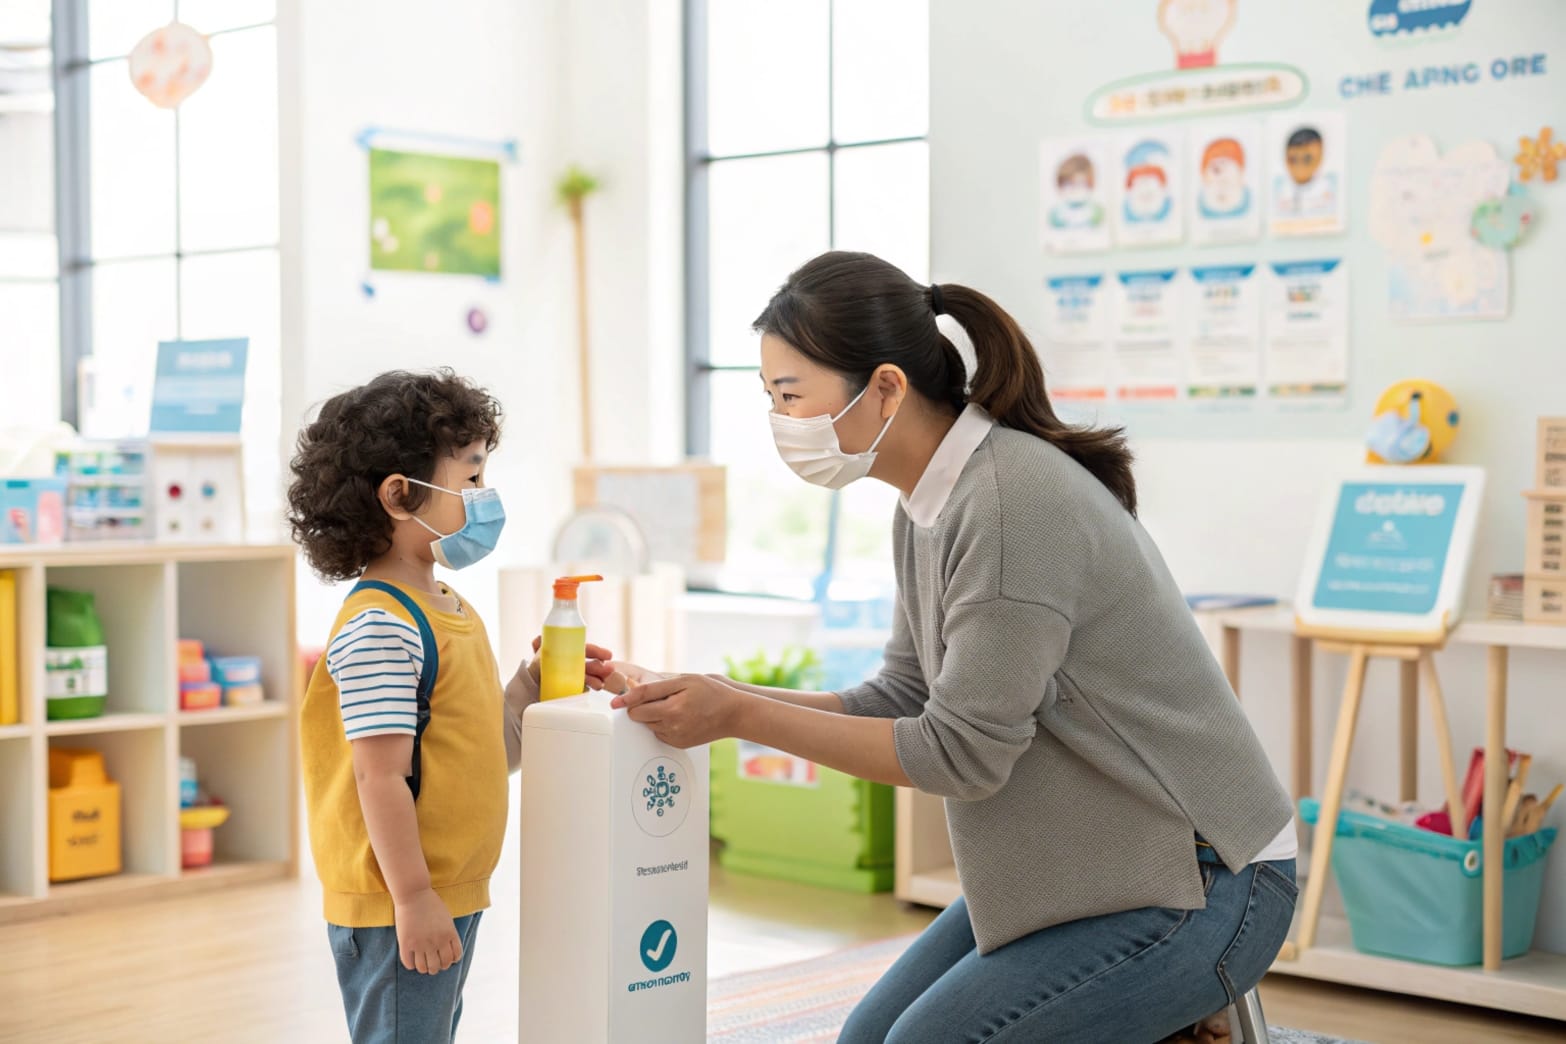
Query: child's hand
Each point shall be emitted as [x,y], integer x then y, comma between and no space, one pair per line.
[426,936]
[598,667]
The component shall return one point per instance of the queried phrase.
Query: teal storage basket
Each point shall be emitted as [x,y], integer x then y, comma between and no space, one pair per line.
[1418,895]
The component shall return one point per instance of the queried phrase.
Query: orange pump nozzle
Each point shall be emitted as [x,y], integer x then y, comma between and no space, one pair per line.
[565,586]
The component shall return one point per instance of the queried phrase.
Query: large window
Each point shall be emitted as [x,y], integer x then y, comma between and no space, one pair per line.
[29,301]
[807,125]
[169,218]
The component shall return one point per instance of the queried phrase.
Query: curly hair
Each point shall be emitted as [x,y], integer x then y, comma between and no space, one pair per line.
[400,423]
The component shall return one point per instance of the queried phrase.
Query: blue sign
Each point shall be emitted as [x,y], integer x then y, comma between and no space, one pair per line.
[1391,17]
[659,943]
[1388,548]
[199,388]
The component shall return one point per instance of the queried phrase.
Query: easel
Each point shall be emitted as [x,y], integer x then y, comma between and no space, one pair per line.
[1415,652]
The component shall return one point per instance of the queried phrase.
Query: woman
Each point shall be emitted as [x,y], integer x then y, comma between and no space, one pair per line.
[1126,852]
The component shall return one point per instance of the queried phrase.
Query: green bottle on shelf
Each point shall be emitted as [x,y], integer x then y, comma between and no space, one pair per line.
[76,662]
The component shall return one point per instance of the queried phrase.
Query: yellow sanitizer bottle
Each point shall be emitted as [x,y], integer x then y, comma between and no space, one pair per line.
[563,655]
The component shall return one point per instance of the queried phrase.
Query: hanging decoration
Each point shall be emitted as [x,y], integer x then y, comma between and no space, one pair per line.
[1503,221]
[170,64]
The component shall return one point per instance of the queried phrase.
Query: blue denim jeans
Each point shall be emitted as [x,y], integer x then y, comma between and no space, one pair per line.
[1125,978]
[388,1004]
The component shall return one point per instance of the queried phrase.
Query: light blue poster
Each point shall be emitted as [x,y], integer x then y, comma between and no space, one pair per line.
[199,388]
[1387,552]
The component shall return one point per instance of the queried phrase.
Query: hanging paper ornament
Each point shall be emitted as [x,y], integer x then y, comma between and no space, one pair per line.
[1539,156]
[1503,221]
[170,63]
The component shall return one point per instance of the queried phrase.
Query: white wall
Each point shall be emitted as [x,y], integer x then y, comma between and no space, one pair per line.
[1230,497]
[585,83]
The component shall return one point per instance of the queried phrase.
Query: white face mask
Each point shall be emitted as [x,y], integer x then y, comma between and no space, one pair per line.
[809,446]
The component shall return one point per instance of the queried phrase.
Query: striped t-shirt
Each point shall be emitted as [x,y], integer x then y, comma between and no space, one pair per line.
[375,659]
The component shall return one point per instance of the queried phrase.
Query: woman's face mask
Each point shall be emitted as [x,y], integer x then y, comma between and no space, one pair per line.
[809,446]
[486,517]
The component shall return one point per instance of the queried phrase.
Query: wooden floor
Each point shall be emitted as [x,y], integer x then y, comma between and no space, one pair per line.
[252,964]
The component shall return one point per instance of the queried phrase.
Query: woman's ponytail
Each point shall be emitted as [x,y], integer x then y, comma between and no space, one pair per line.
[1009,384]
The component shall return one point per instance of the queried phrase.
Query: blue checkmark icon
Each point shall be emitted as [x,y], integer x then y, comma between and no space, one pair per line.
[659,943]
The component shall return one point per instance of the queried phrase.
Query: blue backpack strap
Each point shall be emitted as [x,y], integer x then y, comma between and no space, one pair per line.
[426,675]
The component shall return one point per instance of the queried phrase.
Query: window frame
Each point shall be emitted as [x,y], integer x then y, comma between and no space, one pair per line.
[699,160]
[73,196]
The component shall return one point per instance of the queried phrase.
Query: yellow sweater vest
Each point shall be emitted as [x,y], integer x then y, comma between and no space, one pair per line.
[462,800]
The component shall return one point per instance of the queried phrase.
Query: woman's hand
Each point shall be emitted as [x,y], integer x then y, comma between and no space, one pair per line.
[599,667]
[686,710]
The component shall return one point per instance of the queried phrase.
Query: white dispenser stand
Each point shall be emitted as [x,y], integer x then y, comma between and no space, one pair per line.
[614,880]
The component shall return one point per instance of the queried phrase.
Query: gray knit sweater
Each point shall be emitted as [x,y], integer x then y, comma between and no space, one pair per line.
[1050,683]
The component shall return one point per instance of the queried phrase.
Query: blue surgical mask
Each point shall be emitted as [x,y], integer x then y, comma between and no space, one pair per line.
[486,517]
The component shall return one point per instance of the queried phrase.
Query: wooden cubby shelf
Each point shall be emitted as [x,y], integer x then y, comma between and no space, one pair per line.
[239,600]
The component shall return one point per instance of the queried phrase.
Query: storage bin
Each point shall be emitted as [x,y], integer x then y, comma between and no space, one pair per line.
[1419,896]
[1550,472]
[200,696]
[84,816]
[1544,601]
[1545,545]
[10,669]
[236,670]
[783,817]
[32,511]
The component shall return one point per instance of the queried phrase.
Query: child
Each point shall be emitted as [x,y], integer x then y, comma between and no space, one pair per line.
[405,732]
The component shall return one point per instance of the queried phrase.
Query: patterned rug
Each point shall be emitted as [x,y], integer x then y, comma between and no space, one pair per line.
[807,1003]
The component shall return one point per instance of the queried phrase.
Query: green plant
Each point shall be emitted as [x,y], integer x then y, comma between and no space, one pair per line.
[575,185]
[795,668]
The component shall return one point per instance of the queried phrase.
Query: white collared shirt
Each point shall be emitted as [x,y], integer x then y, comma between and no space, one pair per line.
[945,468]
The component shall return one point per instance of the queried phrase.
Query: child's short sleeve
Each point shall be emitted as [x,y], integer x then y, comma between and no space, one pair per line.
[375,659]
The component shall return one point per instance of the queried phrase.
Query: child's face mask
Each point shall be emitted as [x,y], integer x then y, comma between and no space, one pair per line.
[486,517]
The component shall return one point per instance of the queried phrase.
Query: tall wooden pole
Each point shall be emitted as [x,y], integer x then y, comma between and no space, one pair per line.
[584,369]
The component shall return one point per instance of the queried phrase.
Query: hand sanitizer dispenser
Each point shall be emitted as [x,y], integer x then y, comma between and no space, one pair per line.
[614,879]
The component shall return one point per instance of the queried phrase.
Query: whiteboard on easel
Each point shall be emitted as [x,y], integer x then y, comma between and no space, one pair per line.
[680,509]
[1390,550]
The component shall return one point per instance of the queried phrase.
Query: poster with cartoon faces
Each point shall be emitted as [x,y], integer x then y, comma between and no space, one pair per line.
[1307,193]
[1075,198]
[1225,198]
[1148,189]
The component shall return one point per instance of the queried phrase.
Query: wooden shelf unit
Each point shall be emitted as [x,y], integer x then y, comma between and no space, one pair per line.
[1534,984]
[240,601]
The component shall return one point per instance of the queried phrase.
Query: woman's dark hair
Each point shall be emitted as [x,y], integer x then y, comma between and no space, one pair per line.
[398,424]
[853,312]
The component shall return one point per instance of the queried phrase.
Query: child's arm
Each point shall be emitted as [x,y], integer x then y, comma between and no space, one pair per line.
[426,936]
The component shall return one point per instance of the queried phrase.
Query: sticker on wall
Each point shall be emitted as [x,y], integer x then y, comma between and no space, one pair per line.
[1307,154]
[1540,156]
[1401,18]
[1225,196]
[169,64]
[1148,192]
[478,322]
[1502,223]
[1422,212]
[1075,349]
[1074,196]
[1199,86]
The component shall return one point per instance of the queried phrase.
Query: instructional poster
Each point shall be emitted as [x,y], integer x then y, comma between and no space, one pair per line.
[1148,189]
[1307,155]
[1075,197]
[1225,199]
[1306,326]
[1223,354]
[1422,208]
[1147,357]
[1076,336]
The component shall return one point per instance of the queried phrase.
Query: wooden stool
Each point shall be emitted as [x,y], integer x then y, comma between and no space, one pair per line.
[1415,655]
